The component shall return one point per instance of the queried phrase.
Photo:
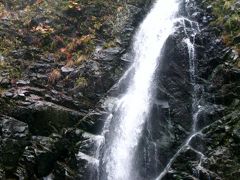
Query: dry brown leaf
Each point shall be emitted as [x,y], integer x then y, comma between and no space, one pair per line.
[39,1]
[44,29]
[54,76]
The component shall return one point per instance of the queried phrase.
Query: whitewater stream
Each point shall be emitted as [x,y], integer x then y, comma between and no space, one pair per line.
[116,156]
[132,109]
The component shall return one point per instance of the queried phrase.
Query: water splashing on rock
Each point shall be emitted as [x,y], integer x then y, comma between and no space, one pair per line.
[132,109]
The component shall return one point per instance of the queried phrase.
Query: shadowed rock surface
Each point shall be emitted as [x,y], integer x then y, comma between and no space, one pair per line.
[59,61]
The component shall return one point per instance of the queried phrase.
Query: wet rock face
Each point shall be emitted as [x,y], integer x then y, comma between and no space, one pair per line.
[212,154]
[170,121]
[57,60]
[55,69]
[45,118]
[12,128]
[14,138]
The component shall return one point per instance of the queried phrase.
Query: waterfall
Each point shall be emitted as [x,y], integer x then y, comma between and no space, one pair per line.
[133,107]
[190,42]
[190,32]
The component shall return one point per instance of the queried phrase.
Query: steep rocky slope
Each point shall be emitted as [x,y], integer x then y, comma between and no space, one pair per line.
[58,59]
[214,152]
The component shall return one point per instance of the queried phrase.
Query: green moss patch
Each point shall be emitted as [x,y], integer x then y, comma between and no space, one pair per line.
[227,15]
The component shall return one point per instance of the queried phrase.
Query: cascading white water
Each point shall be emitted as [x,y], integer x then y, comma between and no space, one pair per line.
[134,105]
[196,108]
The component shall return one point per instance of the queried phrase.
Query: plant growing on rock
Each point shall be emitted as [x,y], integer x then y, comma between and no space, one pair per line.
[81,82]
[227,17]
[54,76]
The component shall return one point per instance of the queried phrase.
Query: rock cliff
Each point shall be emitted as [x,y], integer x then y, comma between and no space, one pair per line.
[59,61]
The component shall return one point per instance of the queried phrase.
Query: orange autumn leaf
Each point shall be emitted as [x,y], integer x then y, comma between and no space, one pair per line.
[39,1]
[63,50]
[44,29]
[54,76]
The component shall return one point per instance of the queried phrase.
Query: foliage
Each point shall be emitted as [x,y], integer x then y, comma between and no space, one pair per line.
[64,32]
[227,15]
[12,72]
[81,82]
[54,76]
